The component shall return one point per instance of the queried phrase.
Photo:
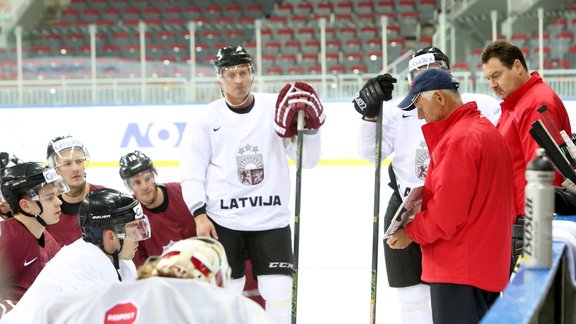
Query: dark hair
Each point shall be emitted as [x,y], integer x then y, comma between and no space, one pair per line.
[506,52]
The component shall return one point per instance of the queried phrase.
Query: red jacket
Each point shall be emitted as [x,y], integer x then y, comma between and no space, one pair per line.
[519,111]
[464,227]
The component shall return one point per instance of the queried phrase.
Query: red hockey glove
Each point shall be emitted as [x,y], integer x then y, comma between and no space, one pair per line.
[293,98]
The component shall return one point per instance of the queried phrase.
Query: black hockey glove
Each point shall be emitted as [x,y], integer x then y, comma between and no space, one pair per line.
[367,101]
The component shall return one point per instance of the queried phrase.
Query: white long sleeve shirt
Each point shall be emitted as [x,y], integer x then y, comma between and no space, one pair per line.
[77,266]
[402,135]
[237,165]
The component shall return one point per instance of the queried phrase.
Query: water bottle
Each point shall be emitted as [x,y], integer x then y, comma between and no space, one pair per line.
[539,211]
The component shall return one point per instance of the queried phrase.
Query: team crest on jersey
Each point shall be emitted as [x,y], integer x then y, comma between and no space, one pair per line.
[250,165]
[422,161]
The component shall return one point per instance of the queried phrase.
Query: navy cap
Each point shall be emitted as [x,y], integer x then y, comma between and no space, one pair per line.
[432,79]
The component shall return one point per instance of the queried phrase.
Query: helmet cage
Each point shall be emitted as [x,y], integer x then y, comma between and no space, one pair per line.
[17,186]
[424,62]
[94,223]
[139,232]
[64,148]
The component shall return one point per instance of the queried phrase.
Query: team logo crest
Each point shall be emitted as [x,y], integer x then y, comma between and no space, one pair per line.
[422,161]
[250,165]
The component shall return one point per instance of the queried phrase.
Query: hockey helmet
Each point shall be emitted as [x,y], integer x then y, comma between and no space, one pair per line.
[426,57]
[200,258]
[63,147]
[26,179]
[111,209]
[231,56]
[7,160]
[133,163]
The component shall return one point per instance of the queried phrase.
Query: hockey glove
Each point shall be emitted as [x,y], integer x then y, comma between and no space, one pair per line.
[293,98]
[367,101]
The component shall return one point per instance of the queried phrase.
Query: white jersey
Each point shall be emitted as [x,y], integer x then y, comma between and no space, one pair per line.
[236,164]
[402,135]
[77,266]
[152,300]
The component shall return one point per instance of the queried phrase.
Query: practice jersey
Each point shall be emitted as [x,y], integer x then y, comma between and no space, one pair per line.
[169,222]
[402,135]
[237,165]
[68,230]
[22,257]
[78,266]
[153,300]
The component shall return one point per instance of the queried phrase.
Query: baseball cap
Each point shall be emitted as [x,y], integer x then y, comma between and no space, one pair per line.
[433,79]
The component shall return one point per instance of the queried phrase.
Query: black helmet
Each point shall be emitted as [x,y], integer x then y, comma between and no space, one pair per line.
[61,144]
[110,209]
[231,56]
[7,159]
[425,57]
[26,179]
[133,163]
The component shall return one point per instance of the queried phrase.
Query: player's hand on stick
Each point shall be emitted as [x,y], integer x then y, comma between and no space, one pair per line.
[293,98]
[367,101]
[399,240]
[204,227]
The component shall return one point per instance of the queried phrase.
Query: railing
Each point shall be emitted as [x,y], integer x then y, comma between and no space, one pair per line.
[115,91]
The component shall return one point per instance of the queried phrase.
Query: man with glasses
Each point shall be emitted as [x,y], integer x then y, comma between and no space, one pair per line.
[31,191]
[235,175]
[112,224]
[169,217]
[69,157]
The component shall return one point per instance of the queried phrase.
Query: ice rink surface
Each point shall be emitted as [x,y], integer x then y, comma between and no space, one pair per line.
[336,247]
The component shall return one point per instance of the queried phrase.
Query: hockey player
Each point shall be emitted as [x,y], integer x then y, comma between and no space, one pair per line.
[402,135]
[170,219]
[112,224]
[69,157]
[235,176]
[185,285]
[169,216]
[31,190]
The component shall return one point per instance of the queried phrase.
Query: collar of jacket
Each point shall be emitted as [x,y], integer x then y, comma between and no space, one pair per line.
[434,131]
[511,101]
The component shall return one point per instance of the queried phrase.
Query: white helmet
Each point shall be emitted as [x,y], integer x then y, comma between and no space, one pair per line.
[200,258]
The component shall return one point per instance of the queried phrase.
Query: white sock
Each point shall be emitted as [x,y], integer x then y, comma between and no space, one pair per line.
[277,292]
[415,304]
[237,285]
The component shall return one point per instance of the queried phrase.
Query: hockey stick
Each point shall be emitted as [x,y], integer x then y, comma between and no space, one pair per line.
[297,198]
[555,133]
[554,153]
[376,219]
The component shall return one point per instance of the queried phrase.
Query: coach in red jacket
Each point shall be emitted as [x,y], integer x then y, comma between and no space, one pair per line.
[464,226]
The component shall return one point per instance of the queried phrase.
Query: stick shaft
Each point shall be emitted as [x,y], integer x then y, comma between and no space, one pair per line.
[376,219]
[297,198]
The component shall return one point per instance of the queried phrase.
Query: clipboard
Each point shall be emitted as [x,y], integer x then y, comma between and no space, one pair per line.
[406,212]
